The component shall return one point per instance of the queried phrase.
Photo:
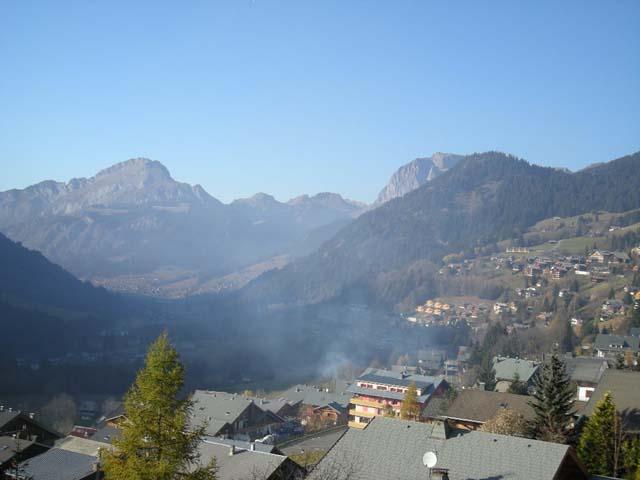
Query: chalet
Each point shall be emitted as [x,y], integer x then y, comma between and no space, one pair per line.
[585,373]
[620,258]
[26,427]
[610,346]
[332,414]
[558,272]
[377,392]
[66,465]
[72,458]
[311,402]
[532,270]
[613,307]
[581,269]
[509,369]
[472,408]
[394,449]
[600,256]
[431,359]
[16,450]
[235,462]
[231,415]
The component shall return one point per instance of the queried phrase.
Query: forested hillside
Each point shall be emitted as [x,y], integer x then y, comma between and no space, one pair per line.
[485,198]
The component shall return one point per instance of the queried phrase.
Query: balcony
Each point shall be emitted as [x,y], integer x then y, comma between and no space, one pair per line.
[366,403]
[357,425]
[358,413]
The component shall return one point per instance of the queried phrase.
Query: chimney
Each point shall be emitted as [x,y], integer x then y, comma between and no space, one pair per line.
[11,409]
[253,446]
[439,473]
[232,450]
[1,408]
[32,415]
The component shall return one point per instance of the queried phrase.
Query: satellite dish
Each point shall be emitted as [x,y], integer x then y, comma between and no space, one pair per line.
[430,459]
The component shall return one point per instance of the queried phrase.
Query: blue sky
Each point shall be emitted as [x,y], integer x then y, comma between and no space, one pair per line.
[301,96]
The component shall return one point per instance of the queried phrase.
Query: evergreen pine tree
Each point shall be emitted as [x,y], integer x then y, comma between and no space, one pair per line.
[620,362]
[600,446]
[156,443]
[553,402]
[631,454]
[487,374]
[410,408]
[568,339]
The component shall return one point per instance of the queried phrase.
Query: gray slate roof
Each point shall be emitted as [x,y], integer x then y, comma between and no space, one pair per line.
[217,409]
[9,446]
[635,332]
[57,464]
[241,444]
[481,405]
[391,449]
[624,386]
[426,383]
[506,368]
[6,416]
[243,465]
[616,343]
[313,395]
[585,369]
[85,446]
[106,434]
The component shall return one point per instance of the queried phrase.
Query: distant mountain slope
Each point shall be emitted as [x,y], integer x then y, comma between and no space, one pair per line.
[45,309]
[485,198]
[132,226]
[415,174]
[28,277]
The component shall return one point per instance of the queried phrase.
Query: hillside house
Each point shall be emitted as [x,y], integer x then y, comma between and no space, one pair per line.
[613,307]
[610,346]
[586,373]
[377,392]
[509,369]
[16,450]
[600,256]
[312,402]
[15,422]
[248,462]
[233,416]
[471,408]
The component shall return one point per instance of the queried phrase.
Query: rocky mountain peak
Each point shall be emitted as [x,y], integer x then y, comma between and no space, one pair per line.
[138,169]
[415,174]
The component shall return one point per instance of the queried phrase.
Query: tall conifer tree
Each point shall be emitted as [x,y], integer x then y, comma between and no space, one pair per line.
[553,402]
[601,442]
[157,442]
[410,408]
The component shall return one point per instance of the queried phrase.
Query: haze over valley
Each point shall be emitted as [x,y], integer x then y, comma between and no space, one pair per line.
[257,240]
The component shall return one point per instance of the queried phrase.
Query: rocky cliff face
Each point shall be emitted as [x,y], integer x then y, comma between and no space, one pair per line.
[135,183]
[415,174]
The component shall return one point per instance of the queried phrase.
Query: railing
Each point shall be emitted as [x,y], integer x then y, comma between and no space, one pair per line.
[358,413]
[366,403]
[357,425]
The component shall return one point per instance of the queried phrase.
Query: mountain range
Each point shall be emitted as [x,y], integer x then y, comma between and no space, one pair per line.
[133,227]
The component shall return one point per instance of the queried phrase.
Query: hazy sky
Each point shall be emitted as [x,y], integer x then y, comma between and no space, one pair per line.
[307,96]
